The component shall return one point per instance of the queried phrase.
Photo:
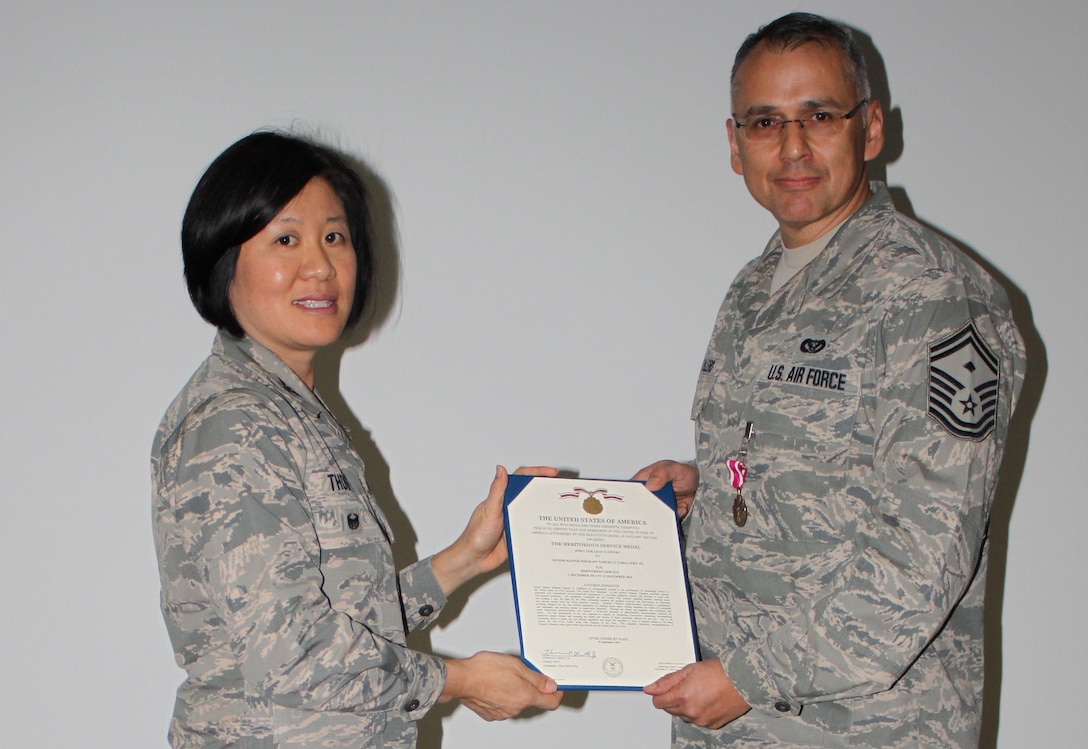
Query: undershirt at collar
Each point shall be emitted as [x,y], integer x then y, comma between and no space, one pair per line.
[793,260]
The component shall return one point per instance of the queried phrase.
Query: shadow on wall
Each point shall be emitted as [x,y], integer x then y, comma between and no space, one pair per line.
[383,304]
[1016,448]
[1012,469]
[327,383]
[327,371]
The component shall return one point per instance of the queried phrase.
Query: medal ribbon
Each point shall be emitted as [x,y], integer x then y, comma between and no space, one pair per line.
[737,472]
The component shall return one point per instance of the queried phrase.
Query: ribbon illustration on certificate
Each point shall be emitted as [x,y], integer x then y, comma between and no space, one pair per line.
[599,583]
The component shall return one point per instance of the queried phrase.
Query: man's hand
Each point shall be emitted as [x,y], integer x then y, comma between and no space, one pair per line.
[699,693]
[684,478]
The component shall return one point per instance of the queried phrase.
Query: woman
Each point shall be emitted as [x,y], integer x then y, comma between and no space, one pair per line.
[278,585]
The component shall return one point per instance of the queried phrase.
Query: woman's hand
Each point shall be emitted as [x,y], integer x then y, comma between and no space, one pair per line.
[497,686]
[481,547]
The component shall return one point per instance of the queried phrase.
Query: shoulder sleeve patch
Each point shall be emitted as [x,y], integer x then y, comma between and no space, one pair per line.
[963,384]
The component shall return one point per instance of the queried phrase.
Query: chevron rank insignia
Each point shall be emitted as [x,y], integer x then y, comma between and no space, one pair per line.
[963,384]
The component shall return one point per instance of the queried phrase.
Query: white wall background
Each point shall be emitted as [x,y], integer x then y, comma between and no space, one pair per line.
[567,224]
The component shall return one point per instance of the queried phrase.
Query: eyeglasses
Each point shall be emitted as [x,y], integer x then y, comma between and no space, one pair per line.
[819,124]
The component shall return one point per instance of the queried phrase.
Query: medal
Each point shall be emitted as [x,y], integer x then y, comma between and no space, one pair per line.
[738,472]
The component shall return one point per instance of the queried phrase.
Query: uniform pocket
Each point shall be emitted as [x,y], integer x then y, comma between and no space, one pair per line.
[356,559]
[808,409]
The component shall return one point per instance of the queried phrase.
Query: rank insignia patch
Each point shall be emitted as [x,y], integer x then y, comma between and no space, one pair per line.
[963,378]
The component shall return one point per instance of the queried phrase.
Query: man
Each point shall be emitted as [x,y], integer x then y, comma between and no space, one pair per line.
[851,414]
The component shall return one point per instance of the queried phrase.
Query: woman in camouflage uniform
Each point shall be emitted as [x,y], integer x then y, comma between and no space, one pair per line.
[278,585]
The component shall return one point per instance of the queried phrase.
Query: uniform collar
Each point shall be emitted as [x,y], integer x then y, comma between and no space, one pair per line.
[847,250]
[824,276]
[839,261]
[266,366]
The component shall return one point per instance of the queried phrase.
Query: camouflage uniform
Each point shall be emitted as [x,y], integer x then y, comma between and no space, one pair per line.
[847,611]
[278,585]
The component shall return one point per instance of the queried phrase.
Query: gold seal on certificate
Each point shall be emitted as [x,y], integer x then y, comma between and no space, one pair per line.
[599,584]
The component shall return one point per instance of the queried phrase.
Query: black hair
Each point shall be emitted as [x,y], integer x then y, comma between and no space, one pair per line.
[794,29]
[242,190]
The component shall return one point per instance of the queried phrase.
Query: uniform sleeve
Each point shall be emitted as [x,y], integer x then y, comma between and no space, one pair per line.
[240,539]
[925,487]
[422,598]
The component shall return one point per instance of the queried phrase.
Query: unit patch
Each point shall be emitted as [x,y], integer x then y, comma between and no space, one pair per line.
[963,379]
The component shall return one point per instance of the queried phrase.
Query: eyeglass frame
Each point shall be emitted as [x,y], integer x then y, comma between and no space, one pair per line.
[801,120]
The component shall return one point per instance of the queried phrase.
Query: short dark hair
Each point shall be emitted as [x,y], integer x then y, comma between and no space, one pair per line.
[241,192]
[794,29]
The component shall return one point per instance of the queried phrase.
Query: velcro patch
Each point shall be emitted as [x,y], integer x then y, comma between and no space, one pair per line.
[963,384]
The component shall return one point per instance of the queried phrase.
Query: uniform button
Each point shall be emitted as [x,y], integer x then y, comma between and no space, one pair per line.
[782,707]
[412,705]
[426,609]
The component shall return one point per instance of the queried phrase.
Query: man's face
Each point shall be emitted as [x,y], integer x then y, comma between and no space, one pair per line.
[808,184]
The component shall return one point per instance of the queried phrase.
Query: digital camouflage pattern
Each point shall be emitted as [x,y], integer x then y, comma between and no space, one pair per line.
[278,585]
[880,380]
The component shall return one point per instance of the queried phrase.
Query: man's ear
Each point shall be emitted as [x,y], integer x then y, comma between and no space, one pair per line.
[874,130]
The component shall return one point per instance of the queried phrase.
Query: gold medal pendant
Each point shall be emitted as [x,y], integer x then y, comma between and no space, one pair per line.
[740,511]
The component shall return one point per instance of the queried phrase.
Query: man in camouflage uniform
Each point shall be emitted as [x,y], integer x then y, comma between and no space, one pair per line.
[851,415]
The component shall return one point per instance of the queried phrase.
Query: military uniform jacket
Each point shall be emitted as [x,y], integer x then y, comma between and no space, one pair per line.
[879,382]
[278,585]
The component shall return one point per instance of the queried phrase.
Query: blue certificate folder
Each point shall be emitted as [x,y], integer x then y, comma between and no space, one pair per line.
[600,589]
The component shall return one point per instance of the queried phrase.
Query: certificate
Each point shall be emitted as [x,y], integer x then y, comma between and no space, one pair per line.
[599,583]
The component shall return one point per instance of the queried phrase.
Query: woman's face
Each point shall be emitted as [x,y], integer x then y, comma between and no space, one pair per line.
[294,282]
